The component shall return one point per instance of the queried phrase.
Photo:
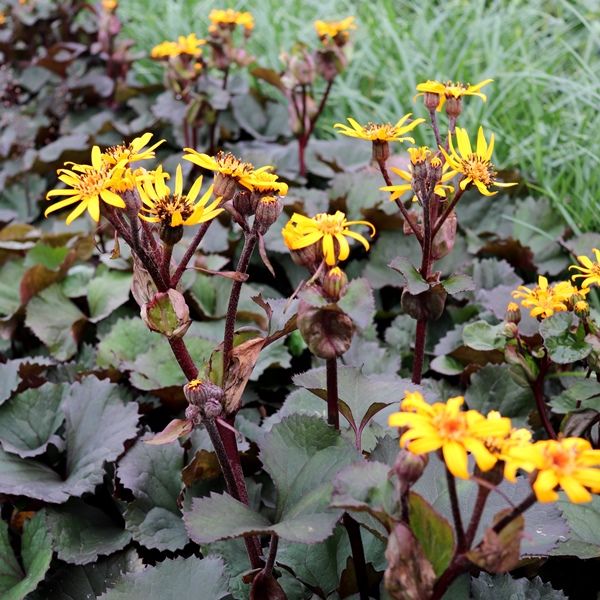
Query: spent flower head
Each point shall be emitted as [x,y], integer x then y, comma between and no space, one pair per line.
[326,232]
[475,166]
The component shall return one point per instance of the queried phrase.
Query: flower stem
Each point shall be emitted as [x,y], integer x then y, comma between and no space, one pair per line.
[434,126]
[419,353]
[242,266]
[540,402]
[482,495]
[447,212]
[333,415]
[191,249]
[268,570]
[458,565]
[515,512]
[458,524]
[167,253]
[388,181]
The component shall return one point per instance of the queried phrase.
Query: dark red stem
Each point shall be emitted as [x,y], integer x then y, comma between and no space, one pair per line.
[458,524]
[333,415]
[540,401]
[191,249]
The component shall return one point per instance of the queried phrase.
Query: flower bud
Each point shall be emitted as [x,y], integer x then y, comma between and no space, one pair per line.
[335,283]
[302,68]
[510,330]
[244,202]
[167,313]
[203,394]
[309,257]
[193,414]
[327,331]
[170,235]
[513,313]
[582,309]
[513,357]
[431,100]
[330,62]
[453,107]
[427,305]
[268,210]
[409,467]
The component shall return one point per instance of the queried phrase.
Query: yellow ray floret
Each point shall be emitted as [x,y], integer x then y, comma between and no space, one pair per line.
[87,185]
[451,90]
[124,155]
[385,132]
[475,166]
[330,230]
[223,162]
[445,427]
[232,17]
[589,271]
[332,29]
[176,208]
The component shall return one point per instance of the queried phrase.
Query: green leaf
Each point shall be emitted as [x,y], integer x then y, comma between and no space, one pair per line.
[97,425]
[584,522]
[55,320]
[301,454]
[178,578]
[358,302]
[433,531]
[360,396]
[108,290]
[494,587]
[446,365]
[483,336]
[457,283]
[29,420]
[11,274]
[36,554]
[153,474]
[583,394]
[415,283]
[122,344]
[81,533]
[9,379]
[493,388]
[77,280]
[563,345]
[47,256]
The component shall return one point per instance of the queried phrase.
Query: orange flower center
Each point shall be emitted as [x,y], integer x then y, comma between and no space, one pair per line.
[451,427]
[562,459]
[92,182]
[478,169]
[330,224]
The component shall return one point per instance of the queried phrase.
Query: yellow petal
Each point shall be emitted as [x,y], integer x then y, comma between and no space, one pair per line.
[455,457]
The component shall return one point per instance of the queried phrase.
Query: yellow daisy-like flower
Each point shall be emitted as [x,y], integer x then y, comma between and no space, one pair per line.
[543,300]
[124,155]
[175,209]
[589,271]
[419,156]
[263,181]
[109,5]
[327,30]
[331,230]
[129,179]
[186,44]
[501,446]
[231,17]
[224,163]
[475,166]
[451,90]
[570,463]
[445,426]
[88,184]
[375,132]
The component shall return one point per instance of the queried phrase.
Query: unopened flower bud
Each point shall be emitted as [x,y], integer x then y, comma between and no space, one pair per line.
[330,62]
[244,202]
[381,150]
[513,357]
[427,305]
[193,414]
[510,330]
[409,467]
[167,313]
[199,392]
[431,100]
[453,107]
[434,168]
[513,313]
[582,309]
[302,68]
[334,284]
[309,257]
[268,210]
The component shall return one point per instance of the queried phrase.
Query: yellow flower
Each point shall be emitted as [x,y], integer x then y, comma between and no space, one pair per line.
[375,132]
[590,271]
[231,17]
[301,232]
[88,184]
[451,90]
[417,157]
[475,166]
[224,163]
[188,45]
[124,155]
[2,18]
[543,300]
[128,179]
[109,5]
[175,209]
[264,182]
[330,30]
[445,426]
[568,462]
